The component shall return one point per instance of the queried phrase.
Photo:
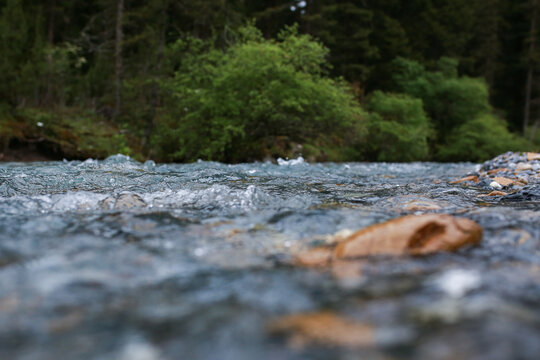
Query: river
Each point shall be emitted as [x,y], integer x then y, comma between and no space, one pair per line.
[117,259]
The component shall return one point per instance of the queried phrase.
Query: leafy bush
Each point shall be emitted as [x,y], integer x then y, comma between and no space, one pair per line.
[460,111]
[398,128]
[229,105]
[449,100]
[480,139]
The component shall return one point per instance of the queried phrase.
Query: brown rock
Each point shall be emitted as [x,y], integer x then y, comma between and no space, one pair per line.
[415,235]
[347,269]
[107,203]
[338,236]
[468,178]
[123,202]
[497,193]
[412,203]
[320,256]
[324,328]
[523,166]
[66,323]
[129,201]
[533,156]
[495,171]
[524,236]
[9,303]
[503,181]
[420,205]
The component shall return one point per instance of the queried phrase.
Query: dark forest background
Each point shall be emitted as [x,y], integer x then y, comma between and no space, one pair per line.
[333,80]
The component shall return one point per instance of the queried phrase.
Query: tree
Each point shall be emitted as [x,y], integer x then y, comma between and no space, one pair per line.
[118,67]
[345,28]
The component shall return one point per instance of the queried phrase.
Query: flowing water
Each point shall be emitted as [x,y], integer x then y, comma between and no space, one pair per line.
[117,259]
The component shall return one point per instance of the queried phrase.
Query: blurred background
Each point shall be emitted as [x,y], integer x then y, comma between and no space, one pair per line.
[235,81]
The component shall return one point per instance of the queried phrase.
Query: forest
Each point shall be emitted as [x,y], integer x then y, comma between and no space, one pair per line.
[240,80]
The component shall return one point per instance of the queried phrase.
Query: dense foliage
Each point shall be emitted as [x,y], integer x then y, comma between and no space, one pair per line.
[233,104]
[182,80]
[399,128]
[464,121]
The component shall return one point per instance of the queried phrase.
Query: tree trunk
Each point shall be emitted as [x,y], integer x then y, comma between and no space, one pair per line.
[535,127]
[491,45]
[48,98]
[155,100]
[118,66]
[530,71]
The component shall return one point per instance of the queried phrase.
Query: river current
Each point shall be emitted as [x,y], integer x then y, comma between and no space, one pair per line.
[117,259]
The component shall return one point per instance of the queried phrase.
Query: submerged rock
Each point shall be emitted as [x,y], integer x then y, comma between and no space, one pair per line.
[497,193]
[415,235]
[413,203]
[319,256]
[420,205]
[122,202]
[324,328]
[128,201]
[408,235]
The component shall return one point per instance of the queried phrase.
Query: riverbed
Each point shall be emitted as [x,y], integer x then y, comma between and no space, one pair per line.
[117,259]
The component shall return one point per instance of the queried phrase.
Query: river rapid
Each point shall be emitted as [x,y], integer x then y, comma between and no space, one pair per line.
[117,259]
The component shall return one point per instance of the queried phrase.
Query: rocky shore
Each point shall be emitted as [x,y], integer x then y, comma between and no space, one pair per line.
[514,176]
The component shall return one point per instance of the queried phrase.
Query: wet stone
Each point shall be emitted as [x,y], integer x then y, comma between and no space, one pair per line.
[503,181]
[472,178]
[531,193]
[122,202]
[408,235]
[497,193]
[324,328]
[128,201]
[508,171]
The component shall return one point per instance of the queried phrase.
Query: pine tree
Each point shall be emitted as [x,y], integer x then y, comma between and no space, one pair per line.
[345,28]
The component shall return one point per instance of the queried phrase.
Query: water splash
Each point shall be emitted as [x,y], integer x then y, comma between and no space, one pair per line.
[292,162]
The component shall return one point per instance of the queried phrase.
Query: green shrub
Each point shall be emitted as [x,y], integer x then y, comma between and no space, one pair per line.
[449,100]
[398,128]
[480,139]
[229,105]
[459,108]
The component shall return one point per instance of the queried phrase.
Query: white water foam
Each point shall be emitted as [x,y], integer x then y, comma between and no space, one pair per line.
[298,161]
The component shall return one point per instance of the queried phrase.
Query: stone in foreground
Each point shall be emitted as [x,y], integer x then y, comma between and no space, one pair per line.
[324,328]
[411,235]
